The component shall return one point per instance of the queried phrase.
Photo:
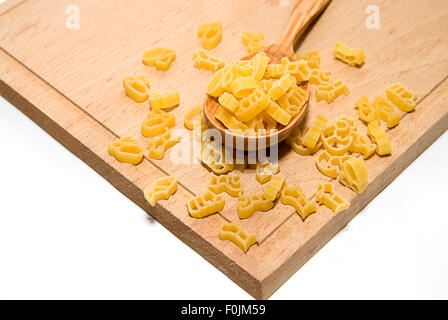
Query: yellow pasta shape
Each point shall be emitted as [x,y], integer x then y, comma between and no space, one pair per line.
[269,122]
[157,146]
[281,86]
[320,77]
[161,58]
[403,98]
[126,150]
[295,140]
[329,92]
[214,159]
[379,137]
[203,60]
[136,88]
[312,135]
[157,123]
[277,113]
[328,197]
[229,102]
[295,197]
[336,138]
[330,165]
[244,68]
[296,98]
[162,188]
[312,58]
[229,184]
[252,105]
[255,126]
[229,121]
[236,234]
[274,188]
[368,112]
[253,40]
[266,85]
[354,175]
[164,100]
[260,65]
[362,145]
[386,111]
[266,171]
[214,86]
[191,115]
[211,34]
[350,56]
[248,205]
[206,204]
[277,70]
[244,86]
[300,70]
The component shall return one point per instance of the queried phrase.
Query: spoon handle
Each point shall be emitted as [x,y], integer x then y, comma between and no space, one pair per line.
[303,13]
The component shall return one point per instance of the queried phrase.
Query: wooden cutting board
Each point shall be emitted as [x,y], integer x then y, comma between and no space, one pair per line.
[70,83]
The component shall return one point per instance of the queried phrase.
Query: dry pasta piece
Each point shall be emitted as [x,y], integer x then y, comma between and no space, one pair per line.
[157,146]
[266,85]
[229,184]
[244,86]
[126,150]
[211,34]
[320,77]
[206,204]
[386,111]
[336,138]
[230,73]
[312,135]
[162,188]
[229,121]
[157,123]
[328,197]
[253,41]
[244,68]
[367,111]
[350,56]
[161,58]
[164,100]
[300,70]
[266,171]
[203,60]
[312,58]
[136,88]
[329,92]
[281,86]
[362,145]
[252,105]
[260,65]
[229,102]
[274,188]
[295,197]
[354,175]
[255,126]
[269,122]
[295,140]
[277,113]
[213,158]
[296,98]
[379,137]
[248,205]
[403,98]
[236,234]
[330,165]
[214,86]
[193,113]
[277,70]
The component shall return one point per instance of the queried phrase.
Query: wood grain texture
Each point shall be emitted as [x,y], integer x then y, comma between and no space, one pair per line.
[69,82]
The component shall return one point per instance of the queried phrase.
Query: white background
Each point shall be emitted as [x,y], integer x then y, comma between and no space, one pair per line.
[67,233]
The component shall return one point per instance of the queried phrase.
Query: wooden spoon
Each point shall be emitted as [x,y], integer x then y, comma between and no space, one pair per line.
[304,12]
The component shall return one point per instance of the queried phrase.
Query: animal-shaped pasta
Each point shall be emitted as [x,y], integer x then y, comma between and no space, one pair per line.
[157,123]
[277,70]
[252,105]
[266,85]
[211,34]
[312,57]
[206,204]
[164,100]
[214,159]
[162,188]
[214,87]
[260,65]
[265,171]
[136,88]
[330,165]
[350,56]
[281,86]
[312,135]
[191,115]
[295,197]
[295,140]
[236,234]
[126,150]
[244,86]
[274,188]
[367,111]
[379,137]
[161,58]
[300,70]
[387,111]
[296,99]
[354,175]
[228,183]
[203,60]
[229,102]
[403,98]
[320,77]
[329,92]
[362,145]
[229,121]
[336,138]
[253,41]
[249,204]
[157,146]
[328,197]
[278,113]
